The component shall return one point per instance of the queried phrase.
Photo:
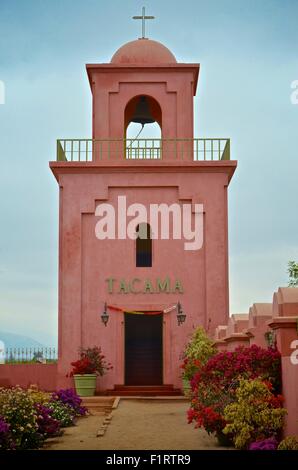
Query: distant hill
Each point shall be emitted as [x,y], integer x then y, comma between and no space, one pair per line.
[12,340]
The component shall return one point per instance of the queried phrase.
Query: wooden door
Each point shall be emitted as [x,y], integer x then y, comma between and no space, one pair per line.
[143,349]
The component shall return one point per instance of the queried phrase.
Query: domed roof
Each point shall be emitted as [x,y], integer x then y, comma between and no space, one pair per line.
[143,51]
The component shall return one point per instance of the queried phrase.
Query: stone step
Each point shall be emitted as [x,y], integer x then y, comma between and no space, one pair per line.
[144,391]
[135,391]
[144,387]
[100,403]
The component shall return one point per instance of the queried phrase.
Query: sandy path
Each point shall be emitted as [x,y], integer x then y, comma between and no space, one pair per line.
[79,437]
[137,424]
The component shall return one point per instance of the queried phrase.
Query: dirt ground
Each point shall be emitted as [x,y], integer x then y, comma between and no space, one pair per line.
[137,425]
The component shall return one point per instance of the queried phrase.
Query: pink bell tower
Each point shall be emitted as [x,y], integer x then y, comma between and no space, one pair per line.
[121,273]
[143,68]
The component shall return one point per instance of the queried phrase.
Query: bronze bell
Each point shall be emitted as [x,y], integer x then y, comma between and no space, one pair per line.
[142,113]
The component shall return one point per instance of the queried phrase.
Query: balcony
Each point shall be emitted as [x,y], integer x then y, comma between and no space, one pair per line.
[88,150]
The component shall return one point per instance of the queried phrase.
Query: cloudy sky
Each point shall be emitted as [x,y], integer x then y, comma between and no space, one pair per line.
[249,58]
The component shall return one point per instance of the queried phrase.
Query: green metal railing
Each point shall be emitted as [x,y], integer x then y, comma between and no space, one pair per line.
[87,150]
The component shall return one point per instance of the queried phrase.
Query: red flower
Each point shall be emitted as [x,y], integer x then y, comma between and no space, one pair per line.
[268,384]
[82,366]
[91,361]
[213,384]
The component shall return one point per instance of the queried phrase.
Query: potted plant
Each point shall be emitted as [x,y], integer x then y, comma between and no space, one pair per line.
[85,370]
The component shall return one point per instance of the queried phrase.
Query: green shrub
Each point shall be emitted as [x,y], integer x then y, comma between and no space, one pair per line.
[200,346]
[196,353]
[255,415]
[29,417]
[17,408]
[288,443]
[38,396]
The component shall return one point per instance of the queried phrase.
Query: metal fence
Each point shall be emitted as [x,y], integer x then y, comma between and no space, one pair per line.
[87,150]
[30,355]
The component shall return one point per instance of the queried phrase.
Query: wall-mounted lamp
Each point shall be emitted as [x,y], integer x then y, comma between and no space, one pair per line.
[105,315]
[181,316]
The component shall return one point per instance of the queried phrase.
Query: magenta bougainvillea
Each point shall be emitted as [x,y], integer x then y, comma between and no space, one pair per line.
[29,417]
[214,384]
[266,444]
[47,425]
[6,440]
[250,363]
[69,397]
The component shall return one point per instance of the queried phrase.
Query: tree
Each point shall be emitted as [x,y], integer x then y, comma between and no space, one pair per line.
[37,356]
[293,273]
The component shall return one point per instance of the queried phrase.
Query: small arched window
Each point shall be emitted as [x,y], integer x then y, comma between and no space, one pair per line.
[143,246]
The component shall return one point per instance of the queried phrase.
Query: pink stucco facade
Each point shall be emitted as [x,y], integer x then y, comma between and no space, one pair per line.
[259,316]
[86,262]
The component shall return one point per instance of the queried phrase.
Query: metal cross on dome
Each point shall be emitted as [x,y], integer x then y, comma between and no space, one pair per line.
[143,18]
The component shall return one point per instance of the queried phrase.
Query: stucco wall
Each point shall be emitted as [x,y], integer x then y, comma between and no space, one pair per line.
[43,375]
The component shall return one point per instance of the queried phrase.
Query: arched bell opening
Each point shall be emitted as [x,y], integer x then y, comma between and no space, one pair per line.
[143,128]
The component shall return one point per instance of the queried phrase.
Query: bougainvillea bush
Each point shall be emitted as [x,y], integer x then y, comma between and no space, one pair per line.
[266,444]
[17,409]
[245,362]
[27,419]
[69,397]
[255,415]
[62,412]
[38,396]
[47,425]
[6,441]
[214,385]
[289,443]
